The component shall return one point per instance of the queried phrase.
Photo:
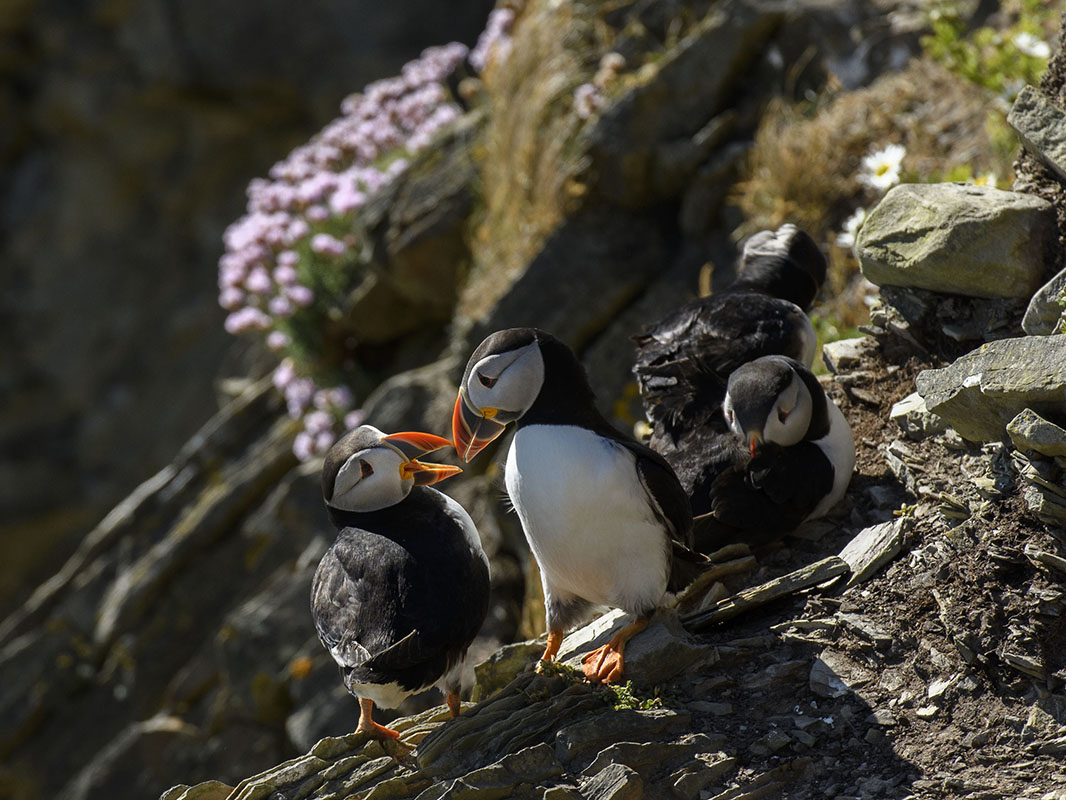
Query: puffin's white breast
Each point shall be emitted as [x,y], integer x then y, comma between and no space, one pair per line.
[587,516]
[839,447]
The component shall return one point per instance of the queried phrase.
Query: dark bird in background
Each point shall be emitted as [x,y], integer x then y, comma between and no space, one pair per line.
[404,589]
[605,516]
[787,458]
[684,360]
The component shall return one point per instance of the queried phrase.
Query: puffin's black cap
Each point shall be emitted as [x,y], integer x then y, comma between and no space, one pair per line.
[352,442]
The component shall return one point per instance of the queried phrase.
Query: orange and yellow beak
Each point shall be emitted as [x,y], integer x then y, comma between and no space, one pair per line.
[413,444]
[473,430]
[755,442]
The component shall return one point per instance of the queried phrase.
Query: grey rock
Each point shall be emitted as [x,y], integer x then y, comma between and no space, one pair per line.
[844,355]
[835,675]
[1041,126]
[985,389]
[650,758]
[1043,316]
[659,652]
[581,741]
[957,238]
[615,782]
[1032,433]
[500,668]
[533,765]
[914,419]
[208,790]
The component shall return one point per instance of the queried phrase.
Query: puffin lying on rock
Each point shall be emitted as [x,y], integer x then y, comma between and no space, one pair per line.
[605,516]
[787,459]
[403,591]
[684,360]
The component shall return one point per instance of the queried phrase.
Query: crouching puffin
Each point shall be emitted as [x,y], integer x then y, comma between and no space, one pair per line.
[787,459]
[403,591]
[605,517]
[684,360]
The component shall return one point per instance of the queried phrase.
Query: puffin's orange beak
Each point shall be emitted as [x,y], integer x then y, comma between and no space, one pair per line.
[472,430]
[425,473]
[411,445]
[755,442]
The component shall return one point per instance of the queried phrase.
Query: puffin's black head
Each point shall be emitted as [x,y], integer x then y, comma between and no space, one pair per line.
[367,470]
[767,400]
[785,263]
[507,374]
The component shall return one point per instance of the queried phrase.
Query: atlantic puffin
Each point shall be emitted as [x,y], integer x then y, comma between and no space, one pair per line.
[605,516]
[684,360]
[403,591]
[788,456]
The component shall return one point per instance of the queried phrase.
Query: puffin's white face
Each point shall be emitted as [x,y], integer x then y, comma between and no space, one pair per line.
[506,384]
[372,479]
[499,388]
[782,419]
[368,470]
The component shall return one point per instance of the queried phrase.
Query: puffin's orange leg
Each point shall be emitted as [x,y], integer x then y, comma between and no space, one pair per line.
[455,706]
[367,724]
[555,641]
[604,664]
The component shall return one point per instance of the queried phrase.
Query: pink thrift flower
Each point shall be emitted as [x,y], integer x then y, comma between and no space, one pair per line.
[278,340]
[324,244]
[300,295]
[231,298]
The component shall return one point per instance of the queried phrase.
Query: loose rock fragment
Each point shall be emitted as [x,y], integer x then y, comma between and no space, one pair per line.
[1030,432]
[871,549]
[914,419]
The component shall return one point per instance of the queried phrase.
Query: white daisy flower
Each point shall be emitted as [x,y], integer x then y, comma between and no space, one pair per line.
[1030,45]
[846,237]
[880,169]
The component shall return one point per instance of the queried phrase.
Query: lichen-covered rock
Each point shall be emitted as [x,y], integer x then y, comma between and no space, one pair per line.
[914,419]
[984,390]
[958,238]
[1041,125]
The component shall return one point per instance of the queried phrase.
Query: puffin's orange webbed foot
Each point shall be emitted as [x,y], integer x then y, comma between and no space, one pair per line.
[367,724]
[551,649]
[604,664]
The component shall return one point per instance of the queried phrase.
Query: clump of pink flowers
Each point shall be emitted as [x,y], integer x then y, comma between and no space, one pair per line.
[288,255]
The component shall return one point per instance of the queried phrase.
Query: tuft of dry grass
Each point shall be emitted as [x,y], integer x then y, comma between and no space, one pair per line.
[805,162]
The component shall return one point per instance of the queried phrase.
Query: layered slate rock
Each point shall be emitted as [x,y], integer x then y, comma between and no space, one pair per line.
[1044,313]
[958,238]
[1041,126]
[985,389]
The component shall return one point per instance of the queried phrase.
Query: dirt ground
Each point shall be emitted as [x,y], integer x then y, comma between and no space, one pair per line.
[951,658]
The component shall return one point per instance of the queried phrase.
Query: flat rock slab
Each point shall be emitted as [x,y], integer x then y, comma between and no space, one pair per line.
[988,387]
[958,238]
[1041,126]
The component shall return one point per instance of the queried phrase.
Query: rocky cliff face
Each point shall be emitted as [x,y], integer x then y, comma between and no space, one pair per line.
[129,134]
[175,646]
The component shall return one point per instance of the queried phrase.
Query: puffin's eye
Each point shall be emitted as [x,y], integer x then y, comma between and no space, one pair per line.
[782,414]
[365,468]
[486,381]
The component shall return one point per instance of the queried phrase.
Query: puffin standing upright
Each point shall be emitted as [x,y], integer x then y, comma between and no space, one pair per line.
[684,360]
[605,516]
[788,457]
[403,591]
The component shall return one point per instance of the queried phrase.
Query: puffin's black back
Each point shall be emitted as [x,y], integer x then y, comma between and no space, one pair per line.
[400,593]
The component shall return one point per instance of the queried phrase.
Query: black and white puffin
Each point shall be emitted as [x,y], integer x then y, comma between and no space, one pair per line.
[684,360]
[788,457]
[403,591]
[605,516]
